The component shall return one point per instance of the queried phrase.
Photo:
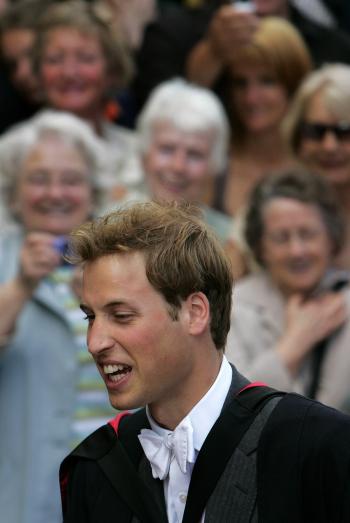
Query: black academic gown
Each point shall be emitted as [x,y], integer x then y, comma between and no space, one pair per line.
[301,472]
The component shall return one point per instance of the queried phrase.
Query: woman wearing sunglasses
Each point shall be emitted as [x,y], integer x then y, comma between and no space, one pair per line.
[318,130]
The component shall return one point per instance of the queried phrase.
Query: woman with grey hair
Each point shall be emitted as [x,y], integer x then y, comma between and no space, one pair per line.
[51,394]
[183,138]
[16,143]
[290,324]
[317,128]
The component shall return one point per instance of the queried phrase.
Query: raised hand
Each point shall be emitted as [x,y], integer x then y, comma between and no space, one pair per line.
[230,29]
[307,323]
[38,258]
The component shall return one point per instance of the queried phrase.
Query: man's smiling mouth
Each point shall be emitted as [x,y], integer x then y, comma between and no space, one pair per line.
[116,372]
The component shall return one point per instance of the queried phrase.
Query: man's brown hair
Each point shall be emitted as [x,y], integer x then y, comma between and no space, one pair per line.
[182,255]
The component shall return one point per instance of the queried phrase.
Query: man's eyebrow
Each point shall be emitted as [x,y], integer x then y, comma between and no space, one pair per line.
[108,305]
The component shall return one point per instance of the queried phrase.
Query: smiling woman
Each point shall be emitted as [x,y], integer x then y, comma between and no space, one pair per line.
[262,76]
[79,59]
[183,135]
[51,171]
[317,128]
[286,316]
[81,62]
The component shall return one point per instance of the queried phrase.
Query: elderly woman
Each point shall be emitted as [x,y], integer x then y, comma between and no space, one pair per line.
[183,135]
[262,76]
[290,322]
[51,394]
[317,128]
[80,62]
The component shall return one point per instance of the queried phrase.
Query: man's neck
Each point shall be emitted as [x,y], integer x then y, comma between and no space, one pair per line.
[168,413]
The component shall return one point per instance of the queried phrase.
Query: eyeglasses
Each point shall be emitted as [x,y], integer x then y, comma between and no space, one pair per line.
[316,131]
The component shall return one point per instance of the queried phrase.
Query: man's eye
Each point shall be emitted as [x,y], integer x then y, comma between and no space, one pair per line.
[123,317]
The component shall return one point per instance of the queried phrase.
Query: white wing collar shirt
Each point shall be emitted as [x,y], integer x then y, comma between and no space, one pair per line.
[172,454]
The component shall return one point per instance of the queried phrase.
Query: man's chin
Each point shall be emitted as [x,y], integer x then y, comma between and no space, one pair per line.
[121,405]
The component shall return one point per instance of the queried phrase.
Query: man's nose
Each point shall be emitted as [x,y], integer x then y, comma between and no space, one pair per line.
[98,338]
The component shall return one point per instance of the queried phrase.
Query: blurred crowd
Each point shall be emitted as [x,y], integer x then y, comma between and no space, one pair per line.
[241,108]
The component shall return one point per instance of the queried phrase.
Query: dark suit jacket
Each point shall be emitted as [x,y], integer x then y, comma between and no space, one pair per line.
[296,471]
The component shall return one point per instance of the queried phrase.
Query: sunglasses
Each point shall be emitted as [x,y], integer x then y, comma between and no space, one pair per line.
[316,131]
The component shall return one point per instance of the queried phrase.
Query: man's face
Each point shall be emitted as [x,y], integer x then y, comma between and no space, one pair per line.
[178,164]
[16,48]
[143,355]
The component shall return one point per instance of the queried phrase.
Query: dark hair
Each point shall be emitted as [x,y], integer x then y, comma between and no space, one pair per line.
[301,186]
[23,15]
[181,254]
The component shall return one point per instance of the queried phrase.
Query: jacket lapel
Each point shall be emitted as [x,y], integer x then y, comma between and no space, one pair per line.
[237,384]
[129,438]
[237,485]
[156,487]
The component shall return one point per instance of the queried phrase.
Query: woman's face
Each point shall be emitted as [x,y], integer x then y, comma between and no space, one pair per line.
[321,149]
[74,72]
[260,101]
[296,247]
[178,164]
[54,192]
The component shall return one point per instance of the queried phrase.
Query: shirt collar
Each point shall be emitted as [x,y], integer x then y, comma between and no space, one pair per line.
[204,414]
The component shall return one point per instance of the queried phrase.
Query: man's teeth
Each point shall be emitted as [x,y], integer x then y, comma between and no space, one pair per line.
[116,372]
[109,369]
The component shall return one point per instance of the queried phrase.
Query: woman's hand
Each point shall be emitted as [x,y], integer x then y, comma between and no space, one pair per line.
[38,258]
[307,323]
[231,29]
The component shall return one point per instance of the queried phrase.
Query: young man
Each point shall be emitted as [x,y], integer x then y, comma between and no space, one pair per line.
[157,296]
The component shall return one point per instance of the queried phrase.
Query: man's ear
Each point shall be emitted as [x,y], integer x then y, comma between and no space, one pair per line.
[198,308]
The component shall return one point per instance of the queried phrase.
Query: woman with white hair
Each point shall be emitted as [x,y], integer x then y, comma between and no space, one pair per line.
[51,394]
[15,144]
[183,139]
[317,128]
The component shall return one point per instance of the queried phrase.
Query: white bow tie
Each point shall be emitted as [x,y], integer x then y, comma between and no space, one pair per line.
[159,450]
